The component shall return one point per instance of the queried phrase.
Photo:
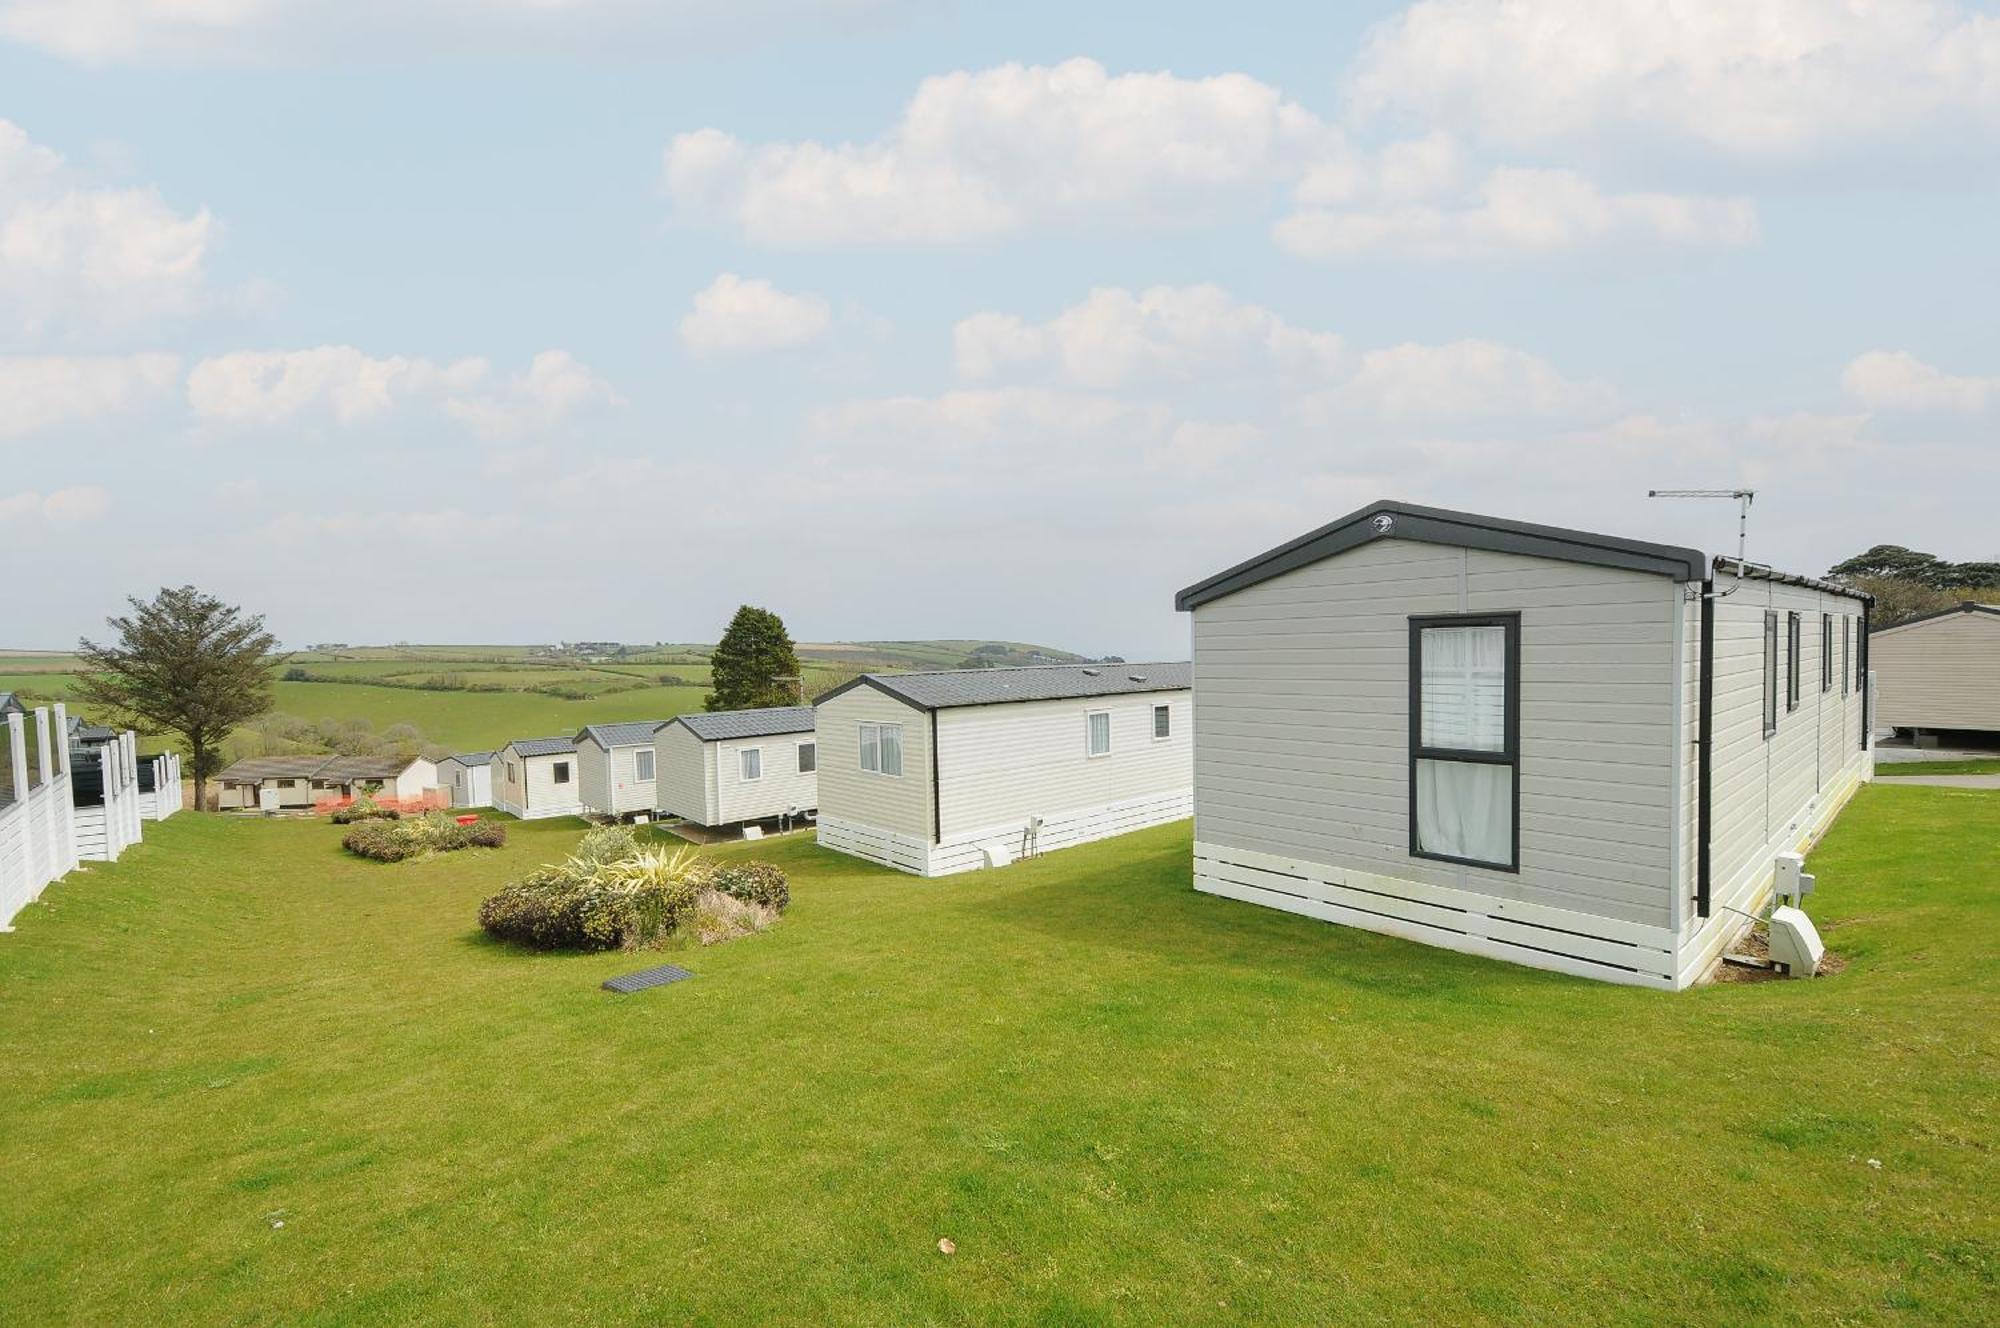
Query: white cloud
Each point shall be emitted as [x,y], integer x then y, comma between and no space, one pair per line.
[64,507]
[1768,78]
[1115,337]
[42,394]
[1462,380]
[102,32]
[735,316]
[556,387]
[978,155]
[344,386]
[75,256]
[1898,380]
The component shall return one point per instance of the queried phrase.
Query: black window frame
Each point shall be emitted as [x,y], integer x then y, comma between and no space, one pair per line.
[1510,753]
[1846,654]
[1770,672]
[1826,652]
[1794,648]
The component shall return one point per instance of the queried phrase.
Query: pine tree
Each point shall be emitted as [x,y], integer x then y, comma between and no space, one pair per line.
[185,663]
[755,664]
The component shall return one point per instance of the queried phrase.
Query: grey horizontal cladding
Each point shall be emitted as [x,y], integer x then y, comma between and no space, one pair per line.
[948,689]
[1964,606]
[1465,530]
[768,722]
[636,733]
[1754,572]
[542,746]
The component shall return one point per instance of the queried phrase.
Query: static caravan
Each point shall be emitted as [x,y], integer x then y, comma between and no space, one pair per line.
[1940,673]
[467,779]
[725,767]
[615,763]
[536,777]
[935,773]
[1570,750]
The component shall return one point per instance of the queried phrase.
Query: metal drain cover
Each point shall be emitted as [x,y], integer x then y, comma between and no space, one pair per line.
[647,977]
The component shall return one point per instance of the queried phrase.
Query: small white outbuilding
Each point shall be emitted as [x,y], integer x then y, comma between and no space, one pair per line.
[1570,750]
[536,778]
[467,778]
[616,765]
[935,773]
[725,767]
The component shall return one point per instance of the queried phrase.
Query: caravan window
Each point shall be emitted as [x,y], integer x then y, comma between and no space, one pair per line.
[1097,732]
[753,763]
[1826,652]
[1846,649]
[1465,752]
[562,772]
[808,757]
[882,748]
[1163,722]
[1770,672]
[642,763]
[1793,640]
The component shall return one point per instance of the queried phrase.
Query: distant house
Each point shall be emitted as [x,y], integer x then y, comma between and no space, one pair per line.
[297,782]
[1940,672]
[615,763]
[467,778]
[1575,751]
[729,766]
[537,777]
[84,735]
[11,704]
[934,773]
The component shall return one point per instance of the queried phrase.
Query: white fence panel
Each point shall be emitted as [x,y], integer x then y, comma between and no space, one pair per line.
[37,838]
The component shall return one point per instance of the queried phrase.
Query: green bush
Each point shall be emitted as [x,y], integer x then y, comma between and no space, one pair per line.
[627,902]
[364,809]
[760,883]
[607,843]
[390,840]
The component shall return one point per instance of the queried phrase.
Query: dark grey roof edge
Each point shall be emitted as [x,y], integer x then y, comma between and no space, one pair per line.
[868,680]
[687,721]
[595,732]
[886,684]
[1754,572]
[1963,606]
[1436,525]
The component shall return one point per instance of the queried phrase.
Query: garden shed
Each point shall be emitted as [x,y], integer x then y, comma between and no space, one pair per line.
[935,773]
[1571,750]
[726,767]
[616,765]
[1941,672]
[467,778]
[536,777]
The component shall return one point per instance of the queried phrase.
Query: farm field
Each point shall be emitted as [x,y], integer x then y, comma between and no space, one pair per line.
[251,1079]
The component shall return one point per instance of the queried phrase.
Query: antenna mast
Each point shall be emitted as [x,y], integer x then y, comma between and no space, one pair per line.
[1743,497]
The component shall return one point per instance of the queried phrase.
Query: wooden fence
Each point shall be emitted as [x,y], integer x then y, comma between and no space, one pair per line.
[44,833]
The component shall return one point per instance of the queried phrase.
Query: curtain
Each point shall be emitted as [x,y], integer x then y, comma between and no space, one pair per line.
[753,763]
[869,758]
[1465,688]
[1100,733]
[892,749]
[1465,809]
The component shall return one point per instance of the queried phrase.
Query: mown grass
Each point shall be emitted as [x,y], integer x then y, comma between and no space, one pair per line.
[1972,766]
[1125,1102]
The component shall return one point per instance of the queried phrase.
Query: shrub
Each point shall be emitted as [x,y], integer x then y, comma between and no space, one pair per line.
[717,917]
[384,841]
[486,834]
[760,883]
[390,840]
[364,808]
[607,843]
[627,902]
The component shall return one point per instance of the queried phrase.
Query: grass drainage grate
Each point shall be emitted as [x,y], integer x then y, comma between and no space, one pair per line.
[647,977]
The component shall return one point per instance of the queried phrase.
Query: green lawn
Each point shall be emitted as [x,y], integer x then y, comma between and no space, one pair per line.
[1125,1102]
[1974,766]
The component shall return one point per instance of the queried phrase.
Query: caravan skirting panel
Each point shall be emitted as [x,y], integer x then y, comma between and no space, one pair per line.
[967,852]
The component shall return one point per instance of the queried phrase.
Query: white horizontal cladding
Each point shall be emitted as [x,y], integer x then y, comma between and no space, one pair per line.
[93,843]
[966,852]
[891,849]
[1583,944]
[1749,889]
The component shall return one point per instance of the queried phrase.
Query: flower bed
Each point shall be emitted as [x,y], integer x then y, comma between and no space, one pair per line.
[398,839]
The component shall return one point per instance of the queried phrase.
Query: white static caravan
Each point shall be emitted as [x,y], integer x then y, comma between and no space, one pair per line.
[725,767]
[1941,672]
[616,763]
[935,773]
[397,777]
[467,778]
[1490,736]
[535,778]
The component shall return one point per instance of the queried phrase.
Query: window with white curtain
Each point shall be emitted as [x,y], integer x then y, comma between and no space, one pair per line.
[871,748]
[892,749]
[1464,739]
[642,763]
[1097,732]
[753,763]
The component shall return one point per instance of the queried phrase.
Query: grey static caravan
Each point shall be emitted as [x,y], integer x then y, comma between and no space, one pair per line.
[535,778]
[1941,672]
[935,773]
[726,767]
[1570,750]
[615,763]
[467,778]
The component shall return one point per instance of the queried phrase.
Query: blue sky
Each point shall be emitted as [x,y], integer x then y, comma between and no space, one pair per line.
[498,320]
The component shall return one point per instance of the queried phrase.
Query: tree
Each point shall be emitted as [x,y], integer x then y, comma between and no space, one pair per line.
[755,664]
[185,663]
